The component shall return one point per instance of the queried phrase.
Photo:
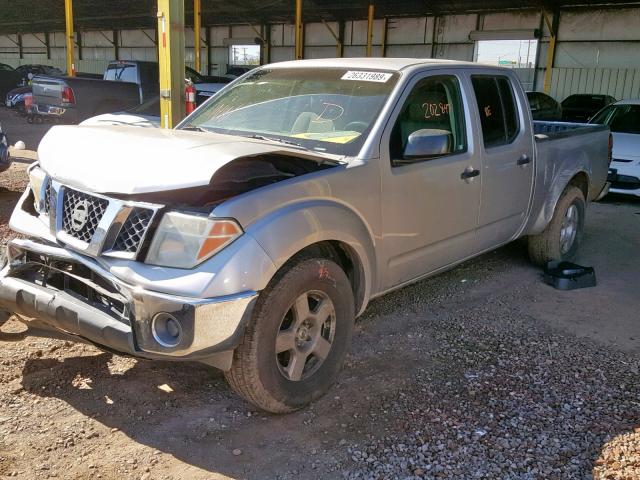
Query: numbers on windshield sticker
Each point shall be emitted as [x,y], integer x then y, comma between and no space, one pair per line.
[379,77]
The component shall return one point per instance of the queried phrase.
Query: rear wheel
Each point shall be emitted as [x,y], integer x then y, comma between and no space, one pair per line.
[561,239]
[296,342]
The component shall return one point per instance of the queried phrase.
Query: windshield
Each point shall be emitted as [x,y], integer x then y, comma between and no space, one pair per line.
[328,110]
[620,118]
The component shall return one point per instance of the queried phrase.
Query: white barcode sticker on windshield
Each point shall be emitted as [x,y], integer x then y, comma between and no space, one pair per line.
[367,76]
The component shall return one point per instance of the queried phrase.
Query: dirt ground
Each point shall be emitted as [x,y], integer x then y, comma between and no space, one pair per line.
[481,372]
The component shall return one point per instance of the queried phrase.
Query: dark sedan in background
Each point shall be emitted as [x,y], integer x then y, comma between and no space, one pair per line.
[544,107]
[581,107]
[9,79]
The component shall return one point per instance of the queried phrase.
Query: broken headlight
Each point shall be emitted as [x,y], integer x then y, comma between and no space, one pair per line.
[37,178]
[185,240]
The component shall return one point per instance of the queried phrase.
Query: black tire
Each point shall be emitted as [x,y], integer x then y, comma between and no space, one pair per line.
[258,373]
[548,245]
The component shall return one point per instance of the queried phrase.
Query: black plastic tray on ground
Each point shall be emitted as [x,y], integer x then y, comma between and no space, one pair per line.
[569,276]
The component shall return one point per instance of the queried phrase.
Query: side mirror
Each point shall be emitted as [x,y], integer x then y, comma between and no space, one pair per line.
[427,143]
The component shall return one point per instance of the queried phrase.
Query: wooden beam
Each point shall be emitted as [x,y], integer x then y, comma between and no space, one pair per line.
[20,51]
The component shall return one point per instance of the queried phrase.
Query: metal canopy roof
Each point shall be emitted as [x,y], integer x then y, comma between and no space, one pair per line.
[48,15]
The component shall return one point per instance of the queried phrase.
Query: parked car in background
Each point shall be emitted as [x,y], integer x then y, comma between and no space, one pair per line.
[9,79]
[125,84]
[33,70]
[544,107]
[581,107]
[15,98]
[146,115]
[5,157]
[251,235]
[206,85]
[623,118]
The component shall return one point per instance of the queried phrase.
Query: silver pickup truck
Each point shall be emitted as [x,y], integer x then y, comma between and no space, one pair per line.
[251,236]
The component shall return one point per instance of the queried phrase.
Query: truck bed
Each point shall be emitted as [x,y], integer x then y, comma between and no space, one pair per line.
[552,130]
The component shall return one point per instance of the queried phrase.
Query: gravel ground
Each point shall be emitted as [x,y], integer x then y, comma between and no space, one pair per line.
[481,372]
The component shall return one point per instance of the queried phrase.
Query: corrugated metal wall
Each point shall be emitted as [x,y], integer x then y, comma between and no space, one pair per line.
[598,49]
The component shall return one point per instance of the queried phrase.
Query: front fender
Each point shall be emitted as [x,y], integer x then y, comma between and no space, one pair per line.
[286,231]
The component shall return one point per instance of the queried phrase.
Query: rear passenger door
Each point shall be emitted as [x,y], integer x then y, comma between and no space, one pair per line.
[507,159]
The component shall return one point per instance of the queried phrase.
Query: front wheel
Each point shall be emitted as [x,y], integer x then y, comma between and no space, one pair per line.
[562,237]
[295,344]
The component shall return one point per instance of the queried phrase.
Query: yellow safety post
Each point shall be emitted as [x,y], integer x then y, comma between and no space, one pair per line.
[68,19]
[197,21]
[370,31]
[171,61]
[299,37]
[551,52]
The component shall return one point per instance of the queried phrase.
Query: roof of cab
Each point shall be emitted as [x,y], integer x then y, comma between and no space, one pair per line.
[378,63]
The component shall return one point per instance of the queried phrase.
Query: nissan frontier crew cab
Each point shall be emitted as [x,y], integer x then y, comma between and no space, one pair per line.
[251,236]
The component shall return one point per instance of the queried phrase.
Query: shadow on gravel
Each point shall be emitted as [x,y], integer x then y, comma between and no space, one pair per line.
[455,377]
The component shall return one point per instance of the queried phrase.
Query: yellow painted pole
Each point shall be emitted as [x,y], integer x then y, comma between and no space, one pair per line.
[171,61]
[552,26]
[370,31]
[299,37]
[197,21]
[548,72]
[68,19]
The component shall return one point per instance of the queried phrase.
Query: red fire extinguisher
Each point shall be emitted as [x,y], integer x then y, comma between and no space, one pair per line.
[190,95]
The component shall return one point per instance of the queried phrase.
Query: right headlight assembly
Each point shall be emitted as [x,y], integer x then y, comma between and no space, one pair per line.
[184,240]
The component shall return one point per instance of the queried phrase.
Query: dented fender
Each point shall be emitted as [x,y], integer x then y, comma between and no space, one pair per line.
[285,232]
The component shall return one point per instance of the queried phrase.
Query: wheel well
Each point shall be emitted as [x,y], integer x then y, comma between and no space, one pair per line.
[581,180]
[346,258]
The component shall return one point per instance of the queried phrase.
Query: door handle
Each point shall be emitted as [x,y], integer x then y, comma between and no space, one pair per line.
[523,160]
[469,173]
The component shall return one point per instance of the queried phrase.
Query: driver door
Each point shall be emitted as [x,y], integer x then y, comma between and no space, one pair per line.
[430,206]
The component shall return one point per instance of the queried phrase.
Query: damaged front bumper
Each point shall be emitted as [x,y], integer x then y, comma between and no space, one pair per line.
[59,290]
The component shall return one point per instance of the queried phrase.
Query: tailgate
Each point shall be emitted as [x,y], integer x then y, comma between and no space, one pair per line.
[47,91]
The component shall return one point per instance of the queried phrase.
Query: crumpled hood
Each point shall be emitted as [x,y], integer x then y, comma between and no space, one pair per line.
[129,160]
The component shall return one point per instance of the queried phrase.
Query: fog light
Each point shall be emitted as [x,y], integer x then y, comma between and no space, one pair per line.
[166,329]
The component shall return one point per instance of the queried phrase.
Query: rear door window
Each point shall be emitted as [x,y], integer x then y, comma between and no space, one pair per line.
[497,109]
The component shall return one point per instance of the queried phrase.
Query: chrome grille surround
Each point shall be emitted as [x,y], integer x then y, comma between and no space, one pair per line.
[94,208]
[114,227]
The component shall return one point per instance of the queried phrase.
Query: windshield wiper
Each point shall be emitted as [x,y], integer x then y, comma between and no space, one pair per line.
[274,139]
[194,128]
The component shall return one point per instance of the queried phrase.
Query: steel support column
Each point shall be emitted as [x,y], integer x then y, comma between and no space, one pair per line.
[68,19]
[370,31]
[171,61]
[299,48]
[197,21]
[552,25]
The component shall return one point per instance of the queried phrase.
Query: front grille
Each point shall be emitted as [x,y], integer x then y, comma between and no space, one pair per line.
[81,214]
[133,230]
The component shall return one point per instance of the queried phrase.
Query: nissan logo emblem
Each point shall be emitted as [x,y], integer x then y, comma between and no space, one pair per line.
[80,215]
